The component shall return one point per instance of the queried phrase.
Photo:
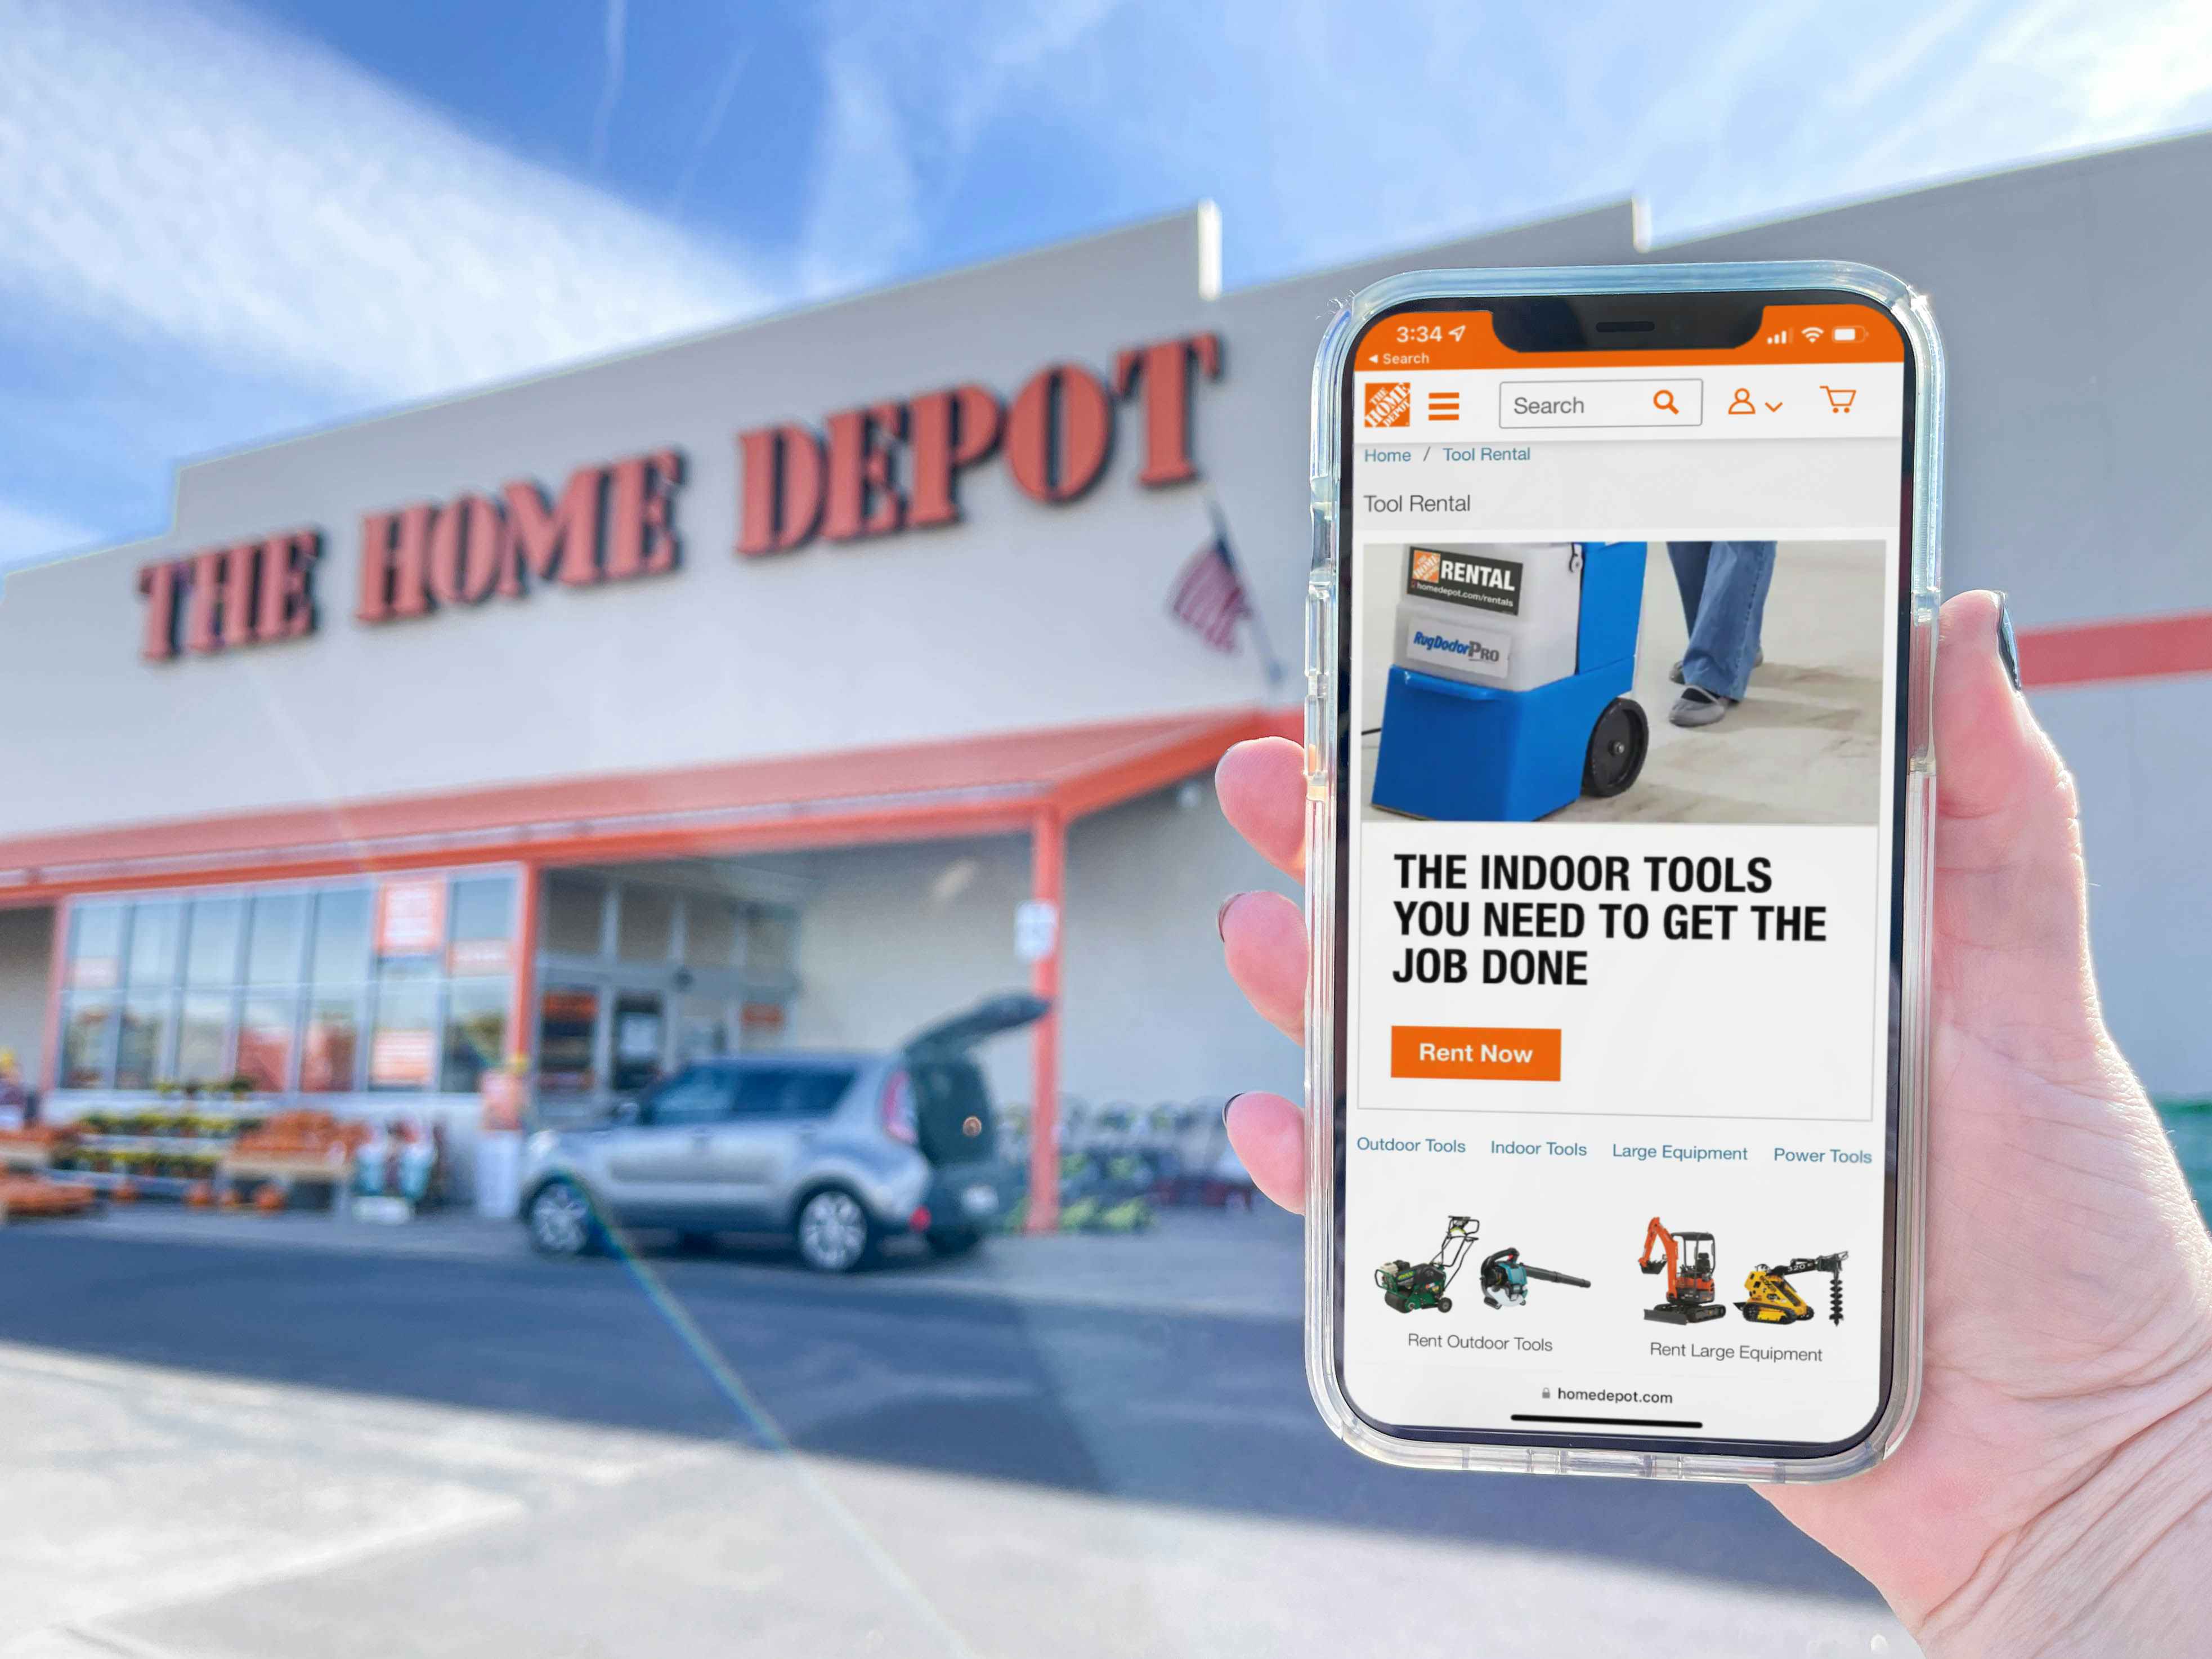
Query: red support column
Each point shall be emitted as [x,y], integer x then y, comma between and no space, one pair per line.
[521,1015]
[1048,886]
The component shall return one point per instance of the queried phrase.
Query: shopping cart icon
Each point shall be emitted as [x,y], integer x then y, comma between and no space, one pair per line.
[1839,398]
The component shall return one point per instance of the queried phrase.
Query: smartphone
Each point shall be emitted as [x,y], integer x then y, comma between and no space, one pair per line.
[1621,633]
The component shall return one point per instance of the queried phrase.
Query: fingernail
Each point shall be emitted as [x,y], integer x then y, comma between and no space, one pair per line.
[2007,647]
[1229,1102]
[1221,918]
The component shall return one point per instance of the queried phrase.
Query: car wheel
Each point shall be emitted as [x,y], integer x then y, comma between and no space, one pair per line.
[952,1241]
[834,1235]
[561,1221]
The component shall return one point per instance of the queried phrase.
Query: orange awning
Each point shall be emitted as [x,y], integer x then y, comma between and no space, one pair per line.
[995,784]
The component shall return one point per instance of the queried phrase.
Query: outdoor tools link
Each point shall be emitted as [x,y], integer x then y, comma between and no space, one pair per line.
[1774,1299]
[1505,1278]
[1410,1285]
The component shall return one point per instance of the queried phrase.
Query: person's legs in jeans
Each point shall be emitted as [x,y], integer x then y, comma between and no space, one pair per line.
[1723,587]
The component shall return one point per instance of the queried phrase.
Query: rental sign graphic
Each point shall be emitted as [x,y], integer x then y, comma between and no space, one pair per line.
[879,470]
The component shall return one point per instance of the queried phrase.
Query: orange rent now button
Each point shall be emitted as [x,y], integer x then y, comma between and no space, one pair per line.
[1493,1053]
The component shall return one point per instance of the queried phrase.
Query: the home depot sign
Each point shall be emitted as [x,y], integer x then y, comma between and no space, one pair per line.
[873,470]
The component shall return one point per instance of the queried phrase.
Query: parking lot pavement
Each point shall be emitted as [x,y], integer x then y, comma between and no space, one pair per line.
[1227,1261]
[228,1447]
[168,1516]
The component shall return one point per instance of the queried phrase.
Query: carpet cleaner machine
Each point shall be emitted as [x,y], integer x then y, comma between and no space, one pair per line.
[1507,696]
[1409,1286]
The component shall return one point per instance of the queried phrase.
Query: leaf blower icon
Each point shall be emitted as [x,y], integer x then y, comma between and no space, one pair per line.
[1505,1278]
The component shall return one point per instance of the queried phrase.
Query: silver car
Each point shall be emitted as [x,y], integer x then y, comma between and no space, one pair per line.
[837,1151]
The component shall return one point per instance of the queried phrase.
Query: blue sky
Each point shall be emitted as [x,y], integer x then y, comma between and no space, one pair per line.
[228,222]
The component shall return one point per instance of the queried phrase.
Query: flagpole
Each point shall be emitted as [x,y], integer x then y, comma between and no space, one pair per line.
[1269,660]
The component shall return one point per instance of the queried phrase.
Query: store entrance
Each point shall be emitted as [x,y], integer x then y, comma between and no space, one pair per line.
[645,968]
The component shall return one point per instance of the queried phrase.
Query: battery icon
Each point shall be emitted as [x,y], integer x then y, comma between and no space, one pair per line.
[1846,332]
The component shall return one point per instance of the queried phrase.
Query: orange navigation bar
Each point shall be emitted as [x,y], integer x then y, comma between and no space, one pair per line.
[1787,334]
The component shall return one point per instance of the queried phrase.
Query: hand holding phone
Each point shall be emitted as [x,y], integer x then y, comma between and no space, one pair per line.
[2059,1433]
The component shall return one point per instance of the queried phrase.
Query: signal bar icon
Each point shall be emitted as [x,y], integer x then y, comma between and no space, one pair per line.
[1780,336]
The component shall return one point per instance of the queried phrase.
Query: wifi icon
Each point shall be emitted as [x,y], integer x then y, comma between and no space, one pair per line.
[1812,332]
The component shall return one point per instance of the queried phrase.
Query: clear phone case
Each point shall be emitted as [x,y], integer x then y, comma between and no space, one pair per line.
[1325,737]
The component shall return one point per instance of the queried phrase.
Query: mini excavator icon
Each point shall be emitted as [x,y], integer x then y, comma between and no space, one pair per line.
[1690,1260]
[1774,1300]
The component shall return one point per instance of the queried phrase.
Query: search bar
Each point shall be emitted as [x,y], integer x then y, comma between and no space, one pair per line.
[1601,402]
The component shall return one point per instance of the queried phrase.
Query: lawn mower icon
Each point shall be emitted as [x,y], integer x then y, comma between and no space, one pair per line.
[1407,1286]
[1839,398]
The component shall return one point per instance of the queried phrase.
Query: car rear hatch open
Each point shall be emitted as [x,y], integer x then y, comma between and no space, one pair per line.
[952,1103]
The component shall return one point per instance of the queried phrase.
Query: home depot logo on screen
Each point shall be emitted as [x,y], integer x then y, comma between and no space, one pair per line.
[1390,402]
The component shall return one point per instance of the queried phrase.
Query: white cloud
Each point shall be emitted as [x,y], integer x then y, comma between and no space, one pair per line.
[193,178]
[28,534]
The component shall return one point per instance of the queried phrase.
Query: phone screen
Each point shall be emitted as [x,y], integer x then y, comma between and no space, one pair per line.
[1622,632]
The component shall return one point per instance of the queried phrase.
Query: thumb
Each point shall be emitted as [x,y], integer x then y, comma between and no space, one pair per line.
[2012,960]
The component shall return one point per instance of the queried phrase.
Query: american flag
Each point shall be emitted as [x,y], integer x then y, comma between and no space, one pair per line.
[1209,594]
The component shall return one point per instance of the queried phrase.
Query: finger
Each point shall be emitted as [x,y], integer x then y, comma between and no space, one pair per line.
[1263,937]
[1269,1134]
[1262,788]
[2010,905]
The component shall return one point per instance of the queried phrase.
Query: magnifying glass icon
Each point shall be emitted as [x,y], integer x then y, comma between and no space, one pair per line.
[1664,399]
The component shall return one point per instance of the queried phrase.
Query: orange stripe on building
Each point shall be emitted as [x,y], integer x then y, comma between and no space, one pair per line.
[2094,653]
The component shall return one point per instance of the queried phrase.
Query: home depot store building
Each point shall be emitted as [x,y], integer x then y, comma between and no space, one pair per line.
[742,690]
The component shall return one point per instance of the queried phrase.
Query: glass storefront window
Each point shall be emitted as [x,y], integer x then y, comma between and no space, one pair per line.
[482,928]
[88,1027]
[204,1033]
[97,946]
[484,908]
[145,1028]
[644,925]
[403,1044]
[277,934]
[329,1056]
[341,946]
[266,1026]
[157,930]
[211,954]
[574,905]
[476,1032]
[280,988]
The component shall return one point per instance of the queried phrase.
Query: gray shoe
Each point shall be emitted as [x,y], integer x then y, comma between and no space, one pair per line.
[1758,661]
[1697,707]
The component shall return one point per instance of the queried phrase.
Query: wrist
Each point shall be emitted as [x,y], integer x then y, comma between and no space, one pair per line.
[2113,1564]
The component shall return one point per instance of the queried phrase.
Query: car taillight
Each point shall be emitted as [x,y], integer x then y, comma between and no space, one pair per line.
[898,1108]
